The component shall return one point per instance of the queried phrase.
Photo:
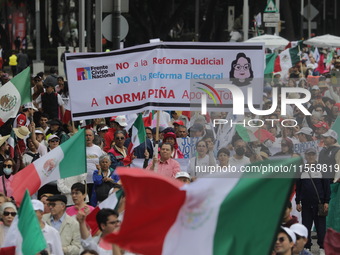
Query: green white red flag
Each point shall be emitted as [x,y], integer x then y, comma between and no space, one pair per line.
[66,160]
[13,94]
[110,202]
[210,216]
[25,233]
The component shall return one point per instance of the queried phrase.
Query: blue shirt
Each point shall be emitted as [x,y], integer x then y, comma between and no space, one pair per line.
[57,223]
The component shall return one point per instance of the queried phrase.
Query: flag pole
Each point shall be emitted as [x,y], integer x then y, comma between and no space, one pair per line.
[157,141]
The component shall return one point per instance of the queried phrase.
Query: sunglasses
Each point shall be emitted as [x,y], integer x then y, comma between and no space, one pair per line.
[281,239]
[51,204]
[10,213]
[9,166]
[54,140]
[120,138]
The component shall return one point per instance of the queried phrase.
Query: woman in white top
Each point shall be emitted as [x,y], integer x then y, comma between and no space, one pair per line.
[199,165]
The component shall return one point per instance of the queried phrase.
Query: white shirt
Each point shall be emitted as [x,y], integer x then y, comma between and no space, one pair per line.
[92,158]
[92,243]
[239,162]
[53,241]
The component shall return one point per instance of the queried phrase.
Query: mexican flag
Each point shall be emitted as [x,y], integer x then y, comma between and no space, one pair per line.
[110,202]
[239,215]
[138,137]
[25,232]
[270,64]
[287,59]
[246,134]
[12,142]
[138,134]
[13,94]
[68,159]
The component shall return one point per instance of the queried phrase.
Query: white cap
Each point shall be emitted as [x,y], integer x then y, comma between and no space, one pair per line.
[103,128]
[30,106]
[290,233]
[37,131]
[299,229]
[316,87]
[121,120]
[331,133]
[305,130]
[52,136]
[310,66]
[37,205]
[182,174]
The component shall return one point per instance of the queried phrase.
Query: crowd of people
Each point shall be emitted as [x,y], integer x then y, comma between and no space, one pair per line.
[61,207]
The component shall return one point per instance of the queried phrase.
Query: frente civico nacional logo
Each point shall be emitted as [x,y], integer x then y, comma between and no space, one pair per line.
[93,72]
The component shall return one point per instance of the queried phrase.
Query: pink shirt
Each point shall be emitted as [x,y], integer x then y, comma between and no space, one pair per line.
[167,168]
[7,182]
[72,210]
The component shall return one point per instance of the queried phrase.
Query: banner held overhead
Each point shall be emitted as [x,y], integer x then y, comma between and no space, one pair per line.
[152,76]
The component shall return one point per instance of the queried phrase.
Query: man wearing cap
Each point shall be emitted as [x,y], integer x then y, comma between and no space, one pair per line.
[309,188]
[52,237]
[56,129]
[285,242]
[320,128]
[330,154]
[301,234]
[7,214]
[24,118]
[21,133]
[66,225]
[116,123]
[305,134]
[183,177]
[49,101]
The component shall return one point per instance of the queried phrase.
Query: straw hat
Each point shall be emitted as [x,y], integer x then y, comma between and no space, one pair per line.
[21,132]
[3,139]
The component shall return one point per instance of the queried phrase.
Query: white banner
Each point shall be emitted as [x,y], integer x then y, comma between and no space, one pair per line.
[157,76]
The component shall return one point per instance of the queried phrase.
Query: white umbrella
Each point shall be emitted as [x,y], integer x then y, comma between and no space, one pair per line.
[324,41]
[270,41]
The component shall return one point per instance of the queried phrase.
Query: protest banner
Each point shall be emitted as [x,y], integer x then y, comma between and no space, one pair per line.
[157,76]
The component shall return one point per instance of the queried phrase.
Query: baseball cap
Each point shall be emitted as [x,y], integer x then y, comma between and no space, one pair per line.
[54,122]
[331,133]
[178,122]
[53,136]
[30,106]
[321,124]
[310,66]
[103,128]
[58,198]
[299,229]
[316,87]
[290,233]
[121,120]
[37,205]
[39,131]
[182,174]
[310,150]
[49,82]
[305,130]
